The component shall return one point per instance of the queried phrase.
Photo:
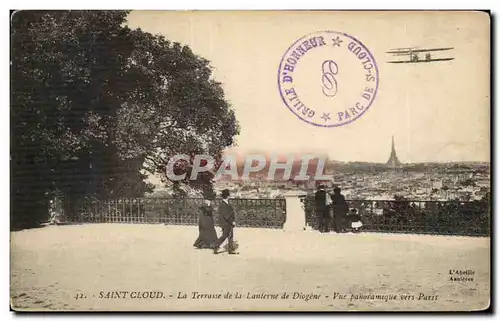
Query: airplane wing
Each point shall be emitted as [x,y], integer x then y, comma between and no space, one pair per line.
[418,61]
[406,51]
[432,49]
[401,50]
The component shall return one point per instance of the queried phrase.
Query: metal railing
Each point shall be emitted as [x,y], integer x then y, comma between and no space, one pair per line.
[267,213]
[416,217]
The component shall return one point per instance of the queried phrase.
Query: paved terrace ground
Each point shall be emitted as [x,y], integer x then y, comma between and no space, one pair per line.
[50,266]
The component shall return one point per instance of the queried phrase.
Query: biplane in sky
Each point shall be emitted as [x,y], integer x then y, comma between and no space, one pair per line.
[415,55]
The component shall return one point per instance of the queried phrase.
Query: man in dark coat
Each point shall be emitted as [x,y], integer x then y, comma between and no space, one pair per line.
[340,209]
[322,209]
[227,223]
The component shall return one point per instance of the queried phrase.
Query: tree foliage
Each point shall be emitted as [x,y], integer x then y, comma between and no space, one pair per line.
[96,105]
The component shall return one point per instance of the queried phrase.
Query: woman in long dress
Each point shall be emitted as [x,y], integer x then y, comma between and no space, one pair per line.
[207,234]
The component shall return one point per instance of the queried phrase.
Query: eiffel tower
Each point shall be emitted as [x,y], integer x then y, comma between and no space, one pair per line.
[393,161]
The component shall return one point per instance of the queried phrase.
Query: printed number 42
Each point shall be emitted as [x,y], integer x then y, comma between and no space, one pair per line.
[329,69]
[80,296]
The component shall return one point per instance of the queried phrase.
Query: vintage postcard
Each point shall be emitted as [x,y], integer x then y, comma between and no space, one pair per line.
[250,161]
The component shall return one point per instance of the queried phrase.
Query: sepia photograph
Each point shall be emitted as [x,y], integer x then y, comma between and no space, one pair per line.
[291,161]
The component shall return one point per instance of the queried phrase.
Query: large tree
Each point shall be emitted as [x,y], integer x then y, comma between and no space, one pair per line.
[186,110]
[94,104]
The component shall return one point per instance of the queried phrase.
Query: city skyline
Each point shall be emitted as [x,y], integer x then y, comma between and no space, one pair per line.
[282,156]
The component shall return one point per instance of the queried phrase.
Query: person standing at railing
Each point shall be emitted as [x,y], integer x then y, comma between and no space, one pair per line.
[340,209]
[322,202]
[55,215]
[227,223]
[207,234]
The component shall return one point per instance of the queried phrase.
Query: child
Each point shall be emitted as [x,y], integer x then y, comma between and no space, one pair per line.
[355,220]
[54,217]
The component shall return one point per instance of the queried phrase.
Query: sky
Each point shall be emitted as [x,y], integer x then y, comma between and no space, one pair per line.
[437,112]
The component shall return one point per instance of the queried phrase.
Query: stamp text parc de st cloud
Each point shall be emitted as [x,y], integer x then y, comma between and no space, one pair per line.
[316,42]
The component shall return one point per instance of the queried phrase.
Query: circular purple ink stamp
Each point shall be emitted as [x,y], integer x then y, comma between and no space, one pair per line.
[328,78]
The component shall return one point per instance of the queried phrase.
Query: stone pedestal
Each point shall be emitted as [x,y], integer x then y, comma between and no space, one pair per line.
[295,215]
